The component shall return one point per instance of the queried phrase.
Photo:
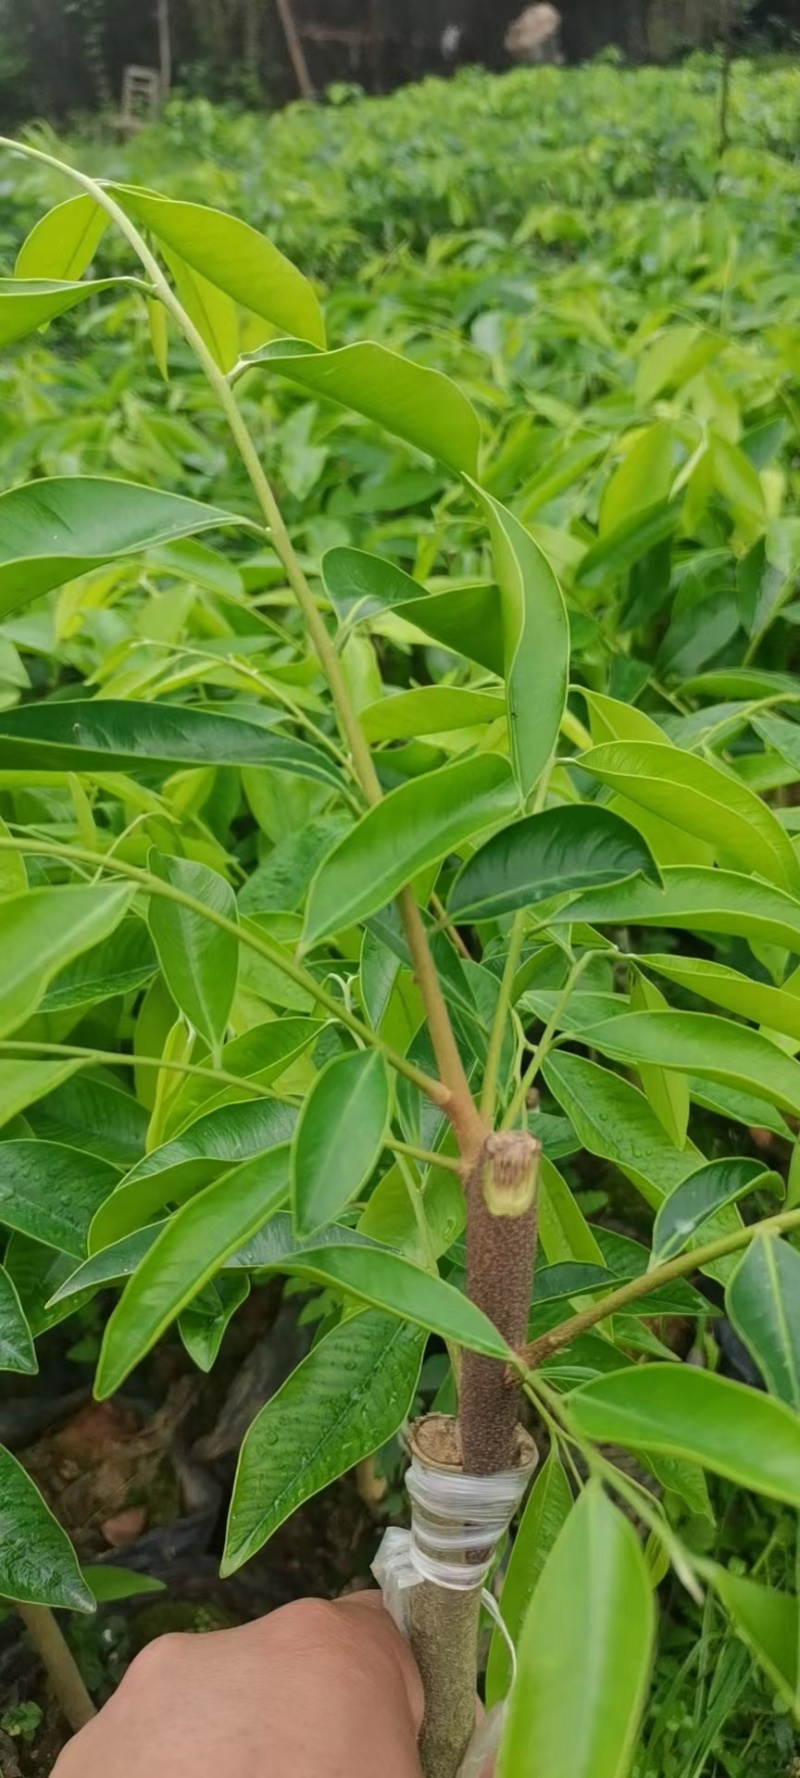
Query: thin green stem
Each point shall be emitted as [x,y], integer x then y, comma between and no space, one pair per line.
[244,935]
[92,1058]
[618,1300]
[501,1011]
[545,1042]
[426,1156]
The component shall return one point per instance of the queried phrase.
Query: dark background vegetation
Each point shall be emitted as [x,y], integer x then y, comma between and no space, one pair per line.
[62,56]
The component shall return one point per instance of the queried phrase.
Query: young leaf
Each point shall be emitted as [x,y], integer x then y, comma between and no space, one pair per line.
[338,1138]
[38,1565]
[42,931]
[189,1249]
[107,1583]
[774,1007]
[403,834]
[53,530]
[769,1623]
[63,243]
[203,1325]
[429,710]
[466,620]
[689,1207]
[579,846]
[109,736]
[16,1345]
[26,305]
[702,799]
[536,642]
[51,1192]
[260,1056]
[549,1505]
[708,1045]
[763,1302]
[359,584]
[233,257]
[584,1654]
[697,899]
[730,1429]
[343,1402]
[419,405]
[200,962]
[226,1135]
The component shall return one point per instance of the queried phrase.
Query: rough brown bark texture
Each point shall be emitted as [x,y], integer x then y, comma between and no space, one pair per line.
[501,1250]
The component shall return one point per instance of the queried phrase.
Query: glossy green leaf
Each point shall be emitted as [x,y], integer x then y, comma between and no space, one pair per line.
[383,1279]
[103,735]
[233,257]
[38,1565]
[613,1119]
[261,1055]
[42,931]
[781,735]
[574,847]
[697,900]
[584,1653]
[213,312]
[430,710]
[190,1248]
[16,1345]
[769,1623]
[63,243]
[26,305]
[708,1046]
[701,799]
[548,1507]
[203,1325]
[22,1083]
[359,584]
[536,642]
[774,1007]
[668,1093]
[199,960]
[419,405]
[51,1192]
[56,529]
[86,1111]
[108,1266]
[684,1412]
[221,1139]
[108,1583]
[564,1233]
[402,835]
[689,1207]
[339,1137]
[466,620]
[343,1402]
[763,1302]
[120,964]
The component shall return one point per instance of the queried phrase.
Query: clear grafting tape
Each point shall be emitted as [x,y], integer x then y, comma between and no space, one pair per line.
[457,1522]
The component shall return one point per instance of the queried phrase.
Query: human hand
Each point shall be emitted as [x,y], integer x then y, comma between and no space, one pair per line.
[313,1688]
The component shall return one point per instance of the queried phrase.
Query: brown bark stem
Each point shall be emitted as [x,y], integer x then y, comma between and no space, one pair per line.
[59,1663]
[501,1250]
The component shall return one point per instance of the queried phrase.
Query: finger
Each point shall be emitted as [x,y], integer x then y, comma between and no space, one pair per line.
[370,1607]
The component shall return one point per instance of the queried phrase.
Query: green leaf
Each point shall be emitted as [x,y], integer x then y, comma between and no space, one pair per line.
[416,404]
[385,1280]
[643,476]
[63,243]
[536,642]
[614,555]
[213,312]
[54,530]
[700,900]
[763,1302]
[38,1565]
[429,710]
[13,875]
[467,620]
[51,1192]
[107,1583]
[16,1345]
[28,305]
[346,1399]
[119,964]
[402,835]
[22,1083]
[688,1208]
[701,799]
[573,847]
[42,931]
[769,1623]
[549,1505]
[667,1093]
[204,1323]
[783,736]
[226,1135]
[611,1118]
[338,1138]
[705,1044]
[774,1007]
[584,1654]
[359,584]
[106,1267]
[730,1429]
[261,1055]
[103,735]
[190,1248]
[563,1230]
[233,257]
[200,962]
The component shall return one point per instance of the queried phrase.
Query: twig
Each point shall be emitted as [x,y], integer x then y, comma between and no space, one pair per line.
[59,1663]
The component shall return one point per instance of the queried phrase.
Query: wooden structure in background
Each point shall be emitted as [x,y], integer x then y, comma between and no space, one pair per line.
[360,39]
[141,97]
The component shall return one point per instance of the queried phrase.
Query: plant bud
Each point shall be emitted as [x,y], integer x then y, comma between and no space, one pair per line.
[510,1172]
